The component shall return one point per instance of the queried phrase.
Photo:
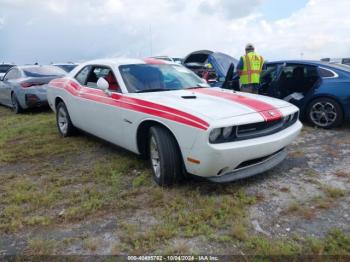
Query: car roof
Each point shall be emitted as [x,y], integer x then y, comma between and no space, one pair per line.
[126,61]
[55,64]
[33,66]
[313,62]
[328,65]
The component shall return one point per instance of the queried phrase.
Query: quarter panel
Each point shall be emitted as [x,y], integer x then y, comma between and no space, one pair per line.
[185,135]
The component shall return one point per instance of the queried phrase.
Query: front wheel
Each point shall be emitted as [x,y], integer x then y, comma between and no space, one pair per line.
[15,104]
[64,124]
[165,157]
[325,113]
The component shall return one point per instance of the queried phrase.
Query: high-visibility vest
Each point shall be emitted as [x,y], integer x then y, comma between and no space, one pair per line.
[252,67]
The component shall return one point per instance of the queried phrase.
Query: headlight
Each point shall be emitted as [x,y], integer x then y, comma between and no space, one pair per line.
[227,131]
[214,135]
[286,119]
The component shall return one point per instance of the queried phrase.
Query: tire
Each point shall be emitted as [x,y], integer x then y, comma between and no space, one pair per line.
[16,107]
[325,113]
[63,121]
[165,157]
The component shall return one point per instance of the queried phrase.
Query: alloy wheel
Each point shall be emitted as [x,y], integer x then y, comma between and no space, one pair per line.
[323,114]
[62,120]
[14,103]
[155,158]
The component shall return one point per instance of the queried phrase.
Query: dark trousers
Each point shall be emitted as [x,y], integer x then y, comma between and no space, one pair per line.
[250,88]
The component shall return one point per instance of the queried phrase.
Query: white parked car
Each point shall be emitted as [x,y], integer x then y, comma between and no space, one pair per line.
[165,112]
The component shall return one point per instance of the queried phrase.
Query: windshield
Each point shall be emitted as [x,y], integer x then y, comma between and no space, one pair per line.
[5,68]
[164,77]
[43,71]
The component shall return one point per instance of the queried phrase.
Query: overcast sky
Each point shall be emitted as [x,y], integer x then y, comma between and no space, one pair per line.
[76,30]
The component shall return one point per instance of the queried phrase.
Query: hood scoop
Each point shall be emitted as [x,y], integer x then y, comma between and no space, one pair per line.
[189,97]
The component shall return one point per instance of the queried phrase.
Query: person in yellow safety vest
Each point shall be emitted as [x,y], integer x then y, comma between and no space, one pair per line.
[249,69]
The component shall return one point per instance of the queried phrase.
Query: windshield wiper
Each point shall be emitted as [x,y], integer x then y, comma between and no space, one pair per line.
[155,90]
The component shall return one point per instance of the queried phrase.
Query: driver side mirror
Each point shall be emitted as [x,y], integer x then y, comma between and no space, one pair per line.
[102,84]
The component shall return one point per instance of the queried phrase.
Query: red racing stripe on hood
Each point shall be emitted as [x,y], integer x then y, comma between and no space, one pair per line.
[159,107]
[153,61]
[267,111]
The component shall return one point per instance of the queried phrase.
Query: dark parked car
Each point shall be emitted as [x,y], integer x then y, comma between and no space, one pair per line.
[219,65]
[66,67]
[321,90]
[25,86]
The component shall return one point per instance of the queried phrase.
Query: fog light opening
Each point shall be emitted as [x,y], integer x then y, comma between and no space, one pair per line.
[223,171]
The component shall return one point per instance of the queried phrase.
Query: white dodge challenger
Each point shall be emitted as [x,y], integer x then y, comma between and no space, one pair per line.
[166,113]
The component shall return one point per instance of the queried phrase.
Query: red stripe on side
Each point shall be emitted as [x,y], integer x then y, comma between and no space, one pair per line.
[134,104]
[159,107]
[267,111]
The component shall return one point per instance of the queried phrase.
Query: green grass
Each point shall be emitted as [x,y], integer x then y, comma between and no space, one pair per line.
[39,247]
[34,137]
[335,243]
[303,210]
[48,182]
[334,192]
[66,175]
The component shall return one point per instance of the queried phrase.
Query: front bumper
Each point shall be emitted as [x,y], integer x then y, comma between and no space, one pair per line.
[251,170]
[223,162]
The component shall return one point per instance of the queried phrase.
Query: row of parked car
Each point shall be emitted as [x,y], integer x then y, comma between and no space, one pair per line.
[165,111]
[320,89]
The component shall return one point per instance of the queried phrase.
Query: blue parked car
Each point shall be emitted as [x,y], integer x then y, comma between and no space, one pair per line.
[212,66]
[321,90]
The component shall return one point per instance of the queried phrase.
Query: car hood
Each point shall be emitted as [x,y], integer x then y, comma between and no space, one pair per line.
[213,103]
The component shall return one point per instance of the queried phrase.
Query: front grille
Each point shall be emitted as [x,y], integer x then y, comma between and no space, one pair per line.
[255,130]
[258,128]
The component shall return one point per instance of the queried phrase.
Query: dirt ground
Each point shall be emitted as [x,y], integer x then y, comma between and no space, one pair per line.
[83,196]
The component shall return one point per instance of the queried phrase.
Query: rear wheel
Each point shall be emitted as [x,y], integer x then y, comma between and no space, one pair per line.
[165,157]
[325,113]
[15,104]
[64,124]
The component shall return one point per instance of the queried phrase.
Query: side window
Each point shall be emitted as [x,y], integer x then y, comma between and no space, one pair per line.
[12,74]
[82,75]
[298,78]
[270,72]
[326,73]
[299,72]
[101,71]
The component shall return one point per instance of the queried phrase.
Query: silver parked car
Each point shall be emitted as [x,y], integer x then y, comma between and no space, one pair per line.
[24,87]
